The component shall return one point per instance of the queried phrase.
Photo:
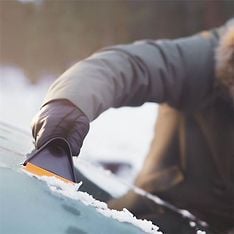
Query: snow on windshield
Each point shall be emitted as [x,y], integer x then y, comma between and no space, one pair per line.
[71,191]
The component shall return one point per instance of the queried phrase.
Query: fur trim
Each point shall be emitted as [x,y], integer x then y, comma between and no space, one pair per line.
[225,57]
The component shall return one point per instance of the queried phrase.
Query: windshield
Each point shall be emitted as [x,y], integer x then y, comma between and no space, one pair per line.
[29,205]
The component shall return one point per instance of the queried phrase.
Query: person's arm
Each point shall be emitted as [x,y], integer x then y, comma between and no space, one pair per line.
[178,72]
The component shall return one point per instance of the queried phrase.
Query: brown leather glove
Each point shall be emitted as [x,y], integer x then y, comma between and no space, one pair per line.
[60,118]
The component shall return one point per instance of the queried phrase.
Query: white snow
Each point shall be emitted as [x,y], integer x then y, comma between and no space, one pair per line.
[3,165]
[192,224]
[70,190]
[102,178]
[201,232]
[19,99]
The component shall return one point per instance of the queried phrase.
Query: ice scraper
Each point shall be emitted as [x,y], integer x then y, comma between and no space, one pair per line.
[54,158]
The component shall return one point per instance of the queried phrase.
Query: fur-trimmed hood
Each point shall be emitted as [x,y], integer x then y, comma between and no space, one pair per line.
[225,56]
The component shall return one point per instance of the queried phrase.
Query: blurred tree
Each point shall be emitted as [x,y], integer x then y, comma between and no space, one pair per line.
[49,36]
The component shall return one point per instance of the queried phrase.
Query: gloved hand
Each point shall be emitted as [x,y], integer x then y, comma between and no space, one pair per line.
[60,118]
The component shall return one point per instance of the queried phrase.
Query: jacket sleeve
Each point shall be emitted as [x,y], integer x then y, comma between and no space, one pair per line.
[179,72]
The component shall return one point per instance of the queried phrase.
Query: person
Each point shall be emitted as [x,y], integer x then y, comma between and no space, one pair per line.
[191,159]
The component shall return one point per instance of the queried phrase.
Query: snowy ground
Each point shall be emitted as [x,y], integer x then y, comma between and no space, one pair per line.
[122,134]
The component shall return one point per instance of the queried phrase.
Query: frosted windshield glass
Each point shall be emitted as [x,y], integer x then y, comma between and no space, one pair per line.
[28,206]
